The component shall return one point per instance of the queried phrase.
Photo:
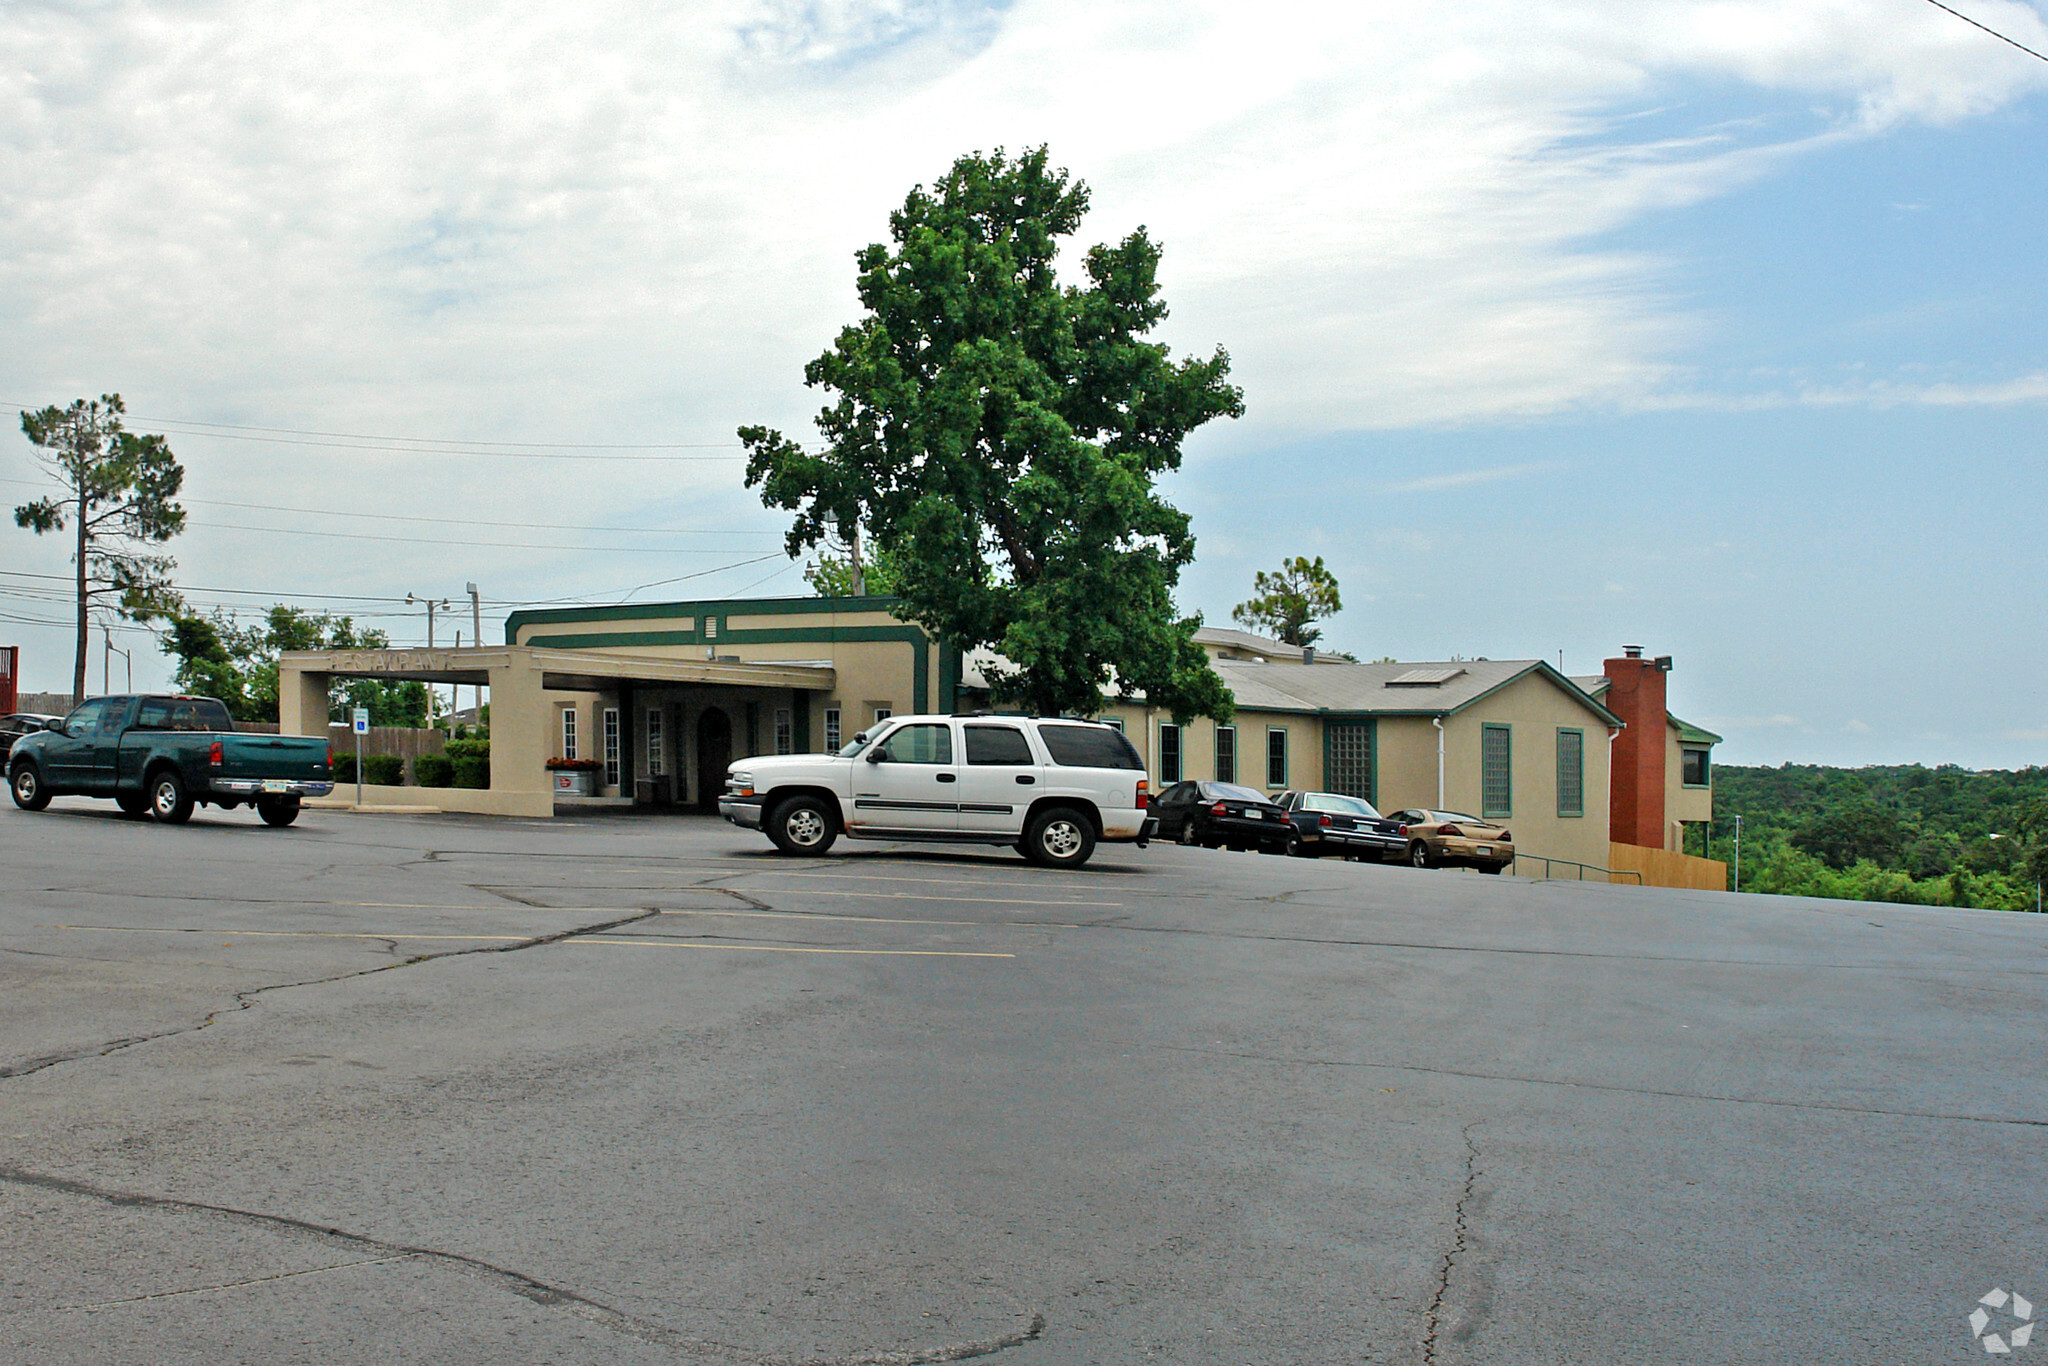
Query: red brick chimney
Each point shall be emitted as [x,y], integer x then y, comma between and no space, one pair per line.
[1635,693]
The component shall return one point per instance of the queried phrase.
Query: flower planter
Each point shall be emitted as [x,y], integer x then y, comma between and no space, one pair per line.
[571,783]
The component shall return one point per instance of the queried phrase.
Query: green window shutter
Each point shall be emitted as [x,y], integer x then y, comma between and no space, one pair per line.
[1496,785]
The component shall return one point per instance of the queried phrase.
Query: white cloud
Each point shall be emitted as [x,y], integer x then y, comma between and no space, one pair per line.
[1779,722]
[2037,733]
[1856,727]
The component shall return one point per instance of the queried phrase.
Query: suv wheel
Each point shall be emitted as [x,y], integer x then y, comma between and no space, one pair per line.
[1059,837]
[802,825]
[28,789]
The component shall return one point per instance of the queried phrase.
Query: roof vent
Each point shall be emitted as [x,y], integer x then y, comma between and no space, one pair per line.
[1424,678]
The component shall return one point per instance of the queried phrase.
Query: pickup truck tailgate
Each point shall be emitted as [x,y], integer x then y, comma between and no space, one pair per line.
[293,758]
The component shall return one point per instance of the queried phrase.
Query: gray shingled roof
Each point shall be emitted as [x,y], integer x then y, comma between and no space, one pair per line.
[1244,640]
[1367,688]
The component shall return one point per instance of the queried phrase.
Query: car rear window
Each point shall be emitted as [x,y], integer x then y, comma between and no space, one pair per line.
[1089,747]
[183,713]
[1232,792]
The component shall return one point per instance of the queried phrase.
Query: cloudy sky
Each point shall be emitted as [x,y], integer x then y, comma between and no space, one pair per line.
[1711,325]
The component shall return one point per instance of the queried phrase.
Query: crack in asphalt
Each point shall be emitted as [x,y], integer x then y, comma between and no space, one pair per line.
[1432,1317]
[1607,1086]
[246,999]
[517,1282]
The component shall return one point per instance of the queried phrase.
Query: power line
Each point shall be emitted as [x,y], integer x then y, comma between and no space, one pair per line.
[1992,31]
[444,521]
[429,540]
[429,441]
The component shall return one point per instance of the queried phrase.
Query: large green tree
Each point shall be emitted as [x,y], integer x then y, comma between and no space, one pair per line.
[118,500]
[1286,603]
[998,434]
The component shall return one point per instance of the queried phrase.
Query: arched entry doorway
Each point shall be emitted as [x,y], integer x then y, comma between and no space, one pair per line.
[714,753]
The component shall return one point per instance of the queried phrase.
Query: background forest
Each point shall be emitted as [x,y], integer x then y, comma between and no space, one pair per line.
[1928,836]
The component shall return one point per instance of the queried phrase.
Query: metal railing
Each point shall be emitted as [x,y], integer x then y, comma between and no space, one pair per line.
[1583,868]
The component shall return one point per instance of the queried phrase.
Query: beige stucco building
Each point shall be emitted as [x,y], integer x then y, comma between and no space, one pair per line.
[662,696]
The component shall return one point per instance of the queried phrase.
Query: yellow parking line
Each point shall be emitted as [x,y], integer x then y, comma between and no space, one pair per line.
[781,948]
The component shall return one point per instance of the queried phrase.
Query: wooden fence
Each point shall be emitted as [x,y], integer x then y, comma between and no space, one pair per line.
[1662,868]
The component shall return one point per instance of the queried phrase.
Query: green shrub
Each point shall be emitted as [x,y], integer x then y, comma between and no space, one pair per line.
[344,768]
[473,770]
[385,770]
[434,770]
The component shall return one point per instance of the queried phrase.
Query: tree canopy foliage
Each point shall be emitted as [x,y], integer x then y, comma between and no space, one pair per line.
[1934,836]
[118,500]
[1286,603]
[999,434]
[219,657]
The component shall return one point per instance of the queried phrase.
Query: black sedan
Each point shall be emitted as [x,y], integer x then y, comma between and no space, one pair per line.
[1218,814]
[22,723]
[1332,823]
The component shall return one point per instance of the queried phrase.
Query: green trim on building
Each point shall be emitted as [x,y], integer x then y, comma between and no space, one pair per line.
[1331,722]
[1503,810]
[1689,734]
[1564,811]
[719,607]
[914,636]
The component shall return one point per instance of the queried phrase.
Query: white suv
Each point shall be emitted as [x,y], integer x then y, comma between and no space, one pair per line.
[1050,788]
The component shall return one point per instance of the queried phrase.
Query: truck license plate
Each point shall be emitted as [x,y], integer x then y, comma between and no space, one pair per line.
[276,785]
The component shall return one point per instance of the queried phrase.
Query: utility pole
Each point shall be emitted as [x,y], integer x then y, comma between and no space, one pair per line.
[432,605]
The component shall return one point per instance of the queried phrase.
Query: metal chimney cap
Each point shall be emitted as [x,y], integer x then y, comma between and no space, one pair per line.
[1632,651]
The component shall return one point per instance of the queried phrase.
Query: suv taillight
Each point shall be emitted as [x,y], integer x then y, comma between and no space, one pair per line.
[1144,794]
[215,756]
[330,757]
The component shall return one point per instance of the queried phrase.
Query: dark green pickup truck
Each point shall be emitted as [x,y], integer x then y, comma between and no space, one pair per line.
[163,755]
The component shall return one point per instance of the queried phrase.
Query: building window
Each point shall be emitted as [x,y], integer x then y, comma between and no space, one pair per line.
[882,714]
[611,746]
[1571,772]
[1226,754]
[568,732]
[1276,756]
[1496,787]
[785,735]
[711,628]
[833,744]
[1169,752]
[1692,765]
[1115,723]
[1347,758]
[655,744]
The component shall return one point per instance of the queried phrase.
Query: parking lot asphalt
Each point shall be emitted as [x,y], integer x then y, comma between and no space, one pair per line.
[629,1089]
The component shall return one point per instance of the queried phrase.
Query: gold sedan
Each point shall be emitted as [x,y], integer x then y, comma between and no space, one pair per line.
[1440,838]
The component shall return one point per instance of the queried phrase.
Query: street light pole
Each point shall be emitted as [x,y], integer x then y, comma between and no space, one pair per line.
[476,626]
[1738,851]
[432,605]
